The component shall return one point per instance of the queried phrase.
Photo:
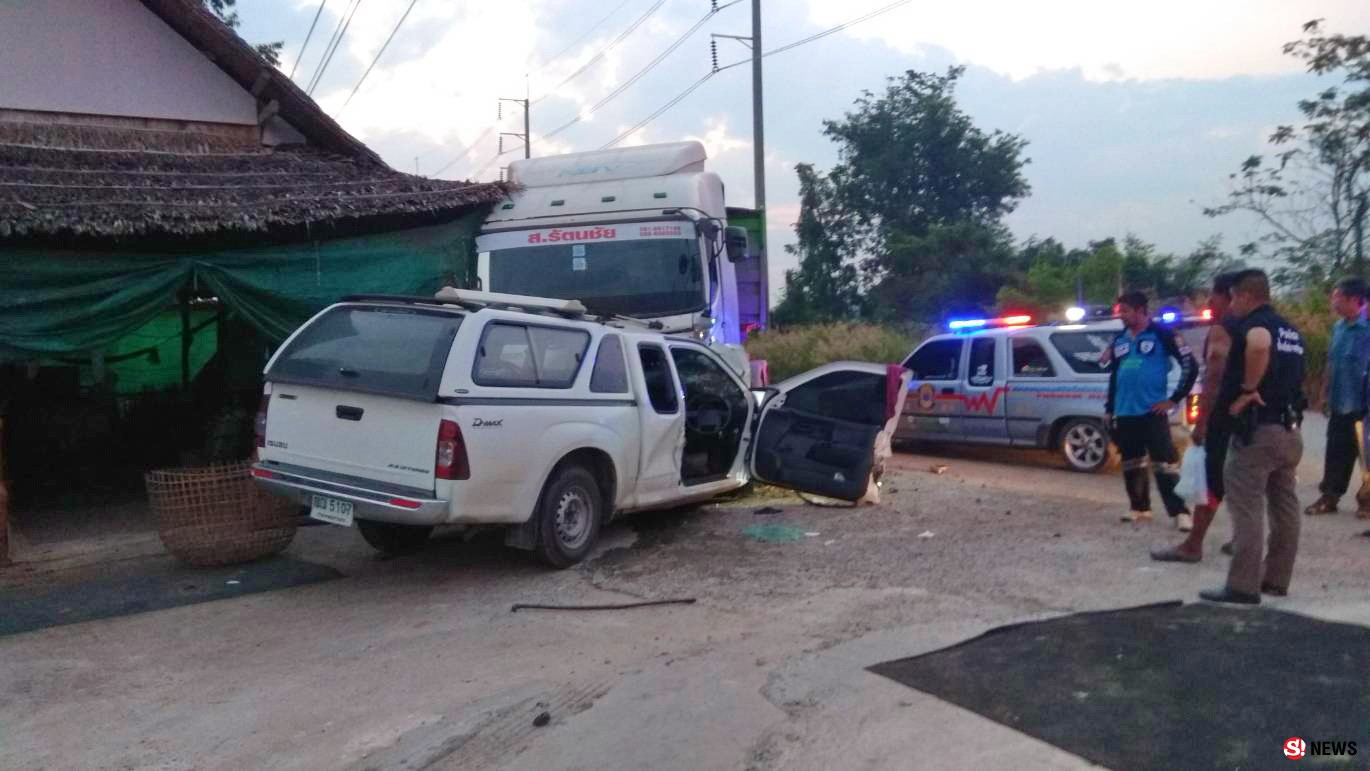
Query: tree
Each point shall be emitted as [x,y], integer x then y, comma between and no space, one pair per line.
[1313,195]
[825,286]
[227,13]
[915,201]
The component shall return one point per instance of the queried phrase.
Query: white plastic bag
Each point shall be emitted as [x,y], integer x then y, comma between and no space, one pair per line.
[1193,484]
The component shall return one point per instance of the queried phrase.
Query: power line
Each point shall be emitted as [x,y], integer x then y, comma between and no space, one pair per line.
[384,46]
[635,78]
[663,108]
[691,89]
[546,63]
[600,56]
[307,36]
[329,45]
[491,162]
[464,151]
[337,43]
[822,34]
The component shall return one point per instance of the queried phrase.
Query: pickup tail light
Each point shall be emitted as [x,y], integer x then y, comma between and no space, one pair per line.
[451,462]
[259,427]
[1191,412]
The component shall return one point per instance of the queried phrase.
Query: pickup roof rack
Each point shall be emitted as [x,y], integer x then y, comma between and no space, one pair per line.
[473,300]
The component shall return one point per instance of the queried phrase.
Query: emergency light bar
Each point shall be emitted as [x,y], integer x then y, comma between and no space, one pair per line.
[957,325]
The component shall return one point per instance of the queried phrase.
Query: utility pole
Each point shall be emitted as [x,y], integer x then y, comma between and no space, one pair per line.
[758,119]
[527,134]
[752,41]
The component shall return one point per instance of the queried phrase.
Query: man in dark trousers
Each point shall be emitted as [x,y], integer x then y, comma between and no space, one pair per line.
[1344,395]
[1262,391]
[1213,430]
[1139,404]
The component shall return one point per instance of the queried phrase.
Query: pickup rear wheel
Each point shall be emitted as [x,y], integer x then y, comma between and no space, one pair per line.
[569,515]
[1084,445]
[393,539]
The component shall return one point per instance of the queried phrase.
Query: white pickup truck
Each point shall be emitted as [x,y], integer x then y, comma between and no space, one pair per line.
[398,414]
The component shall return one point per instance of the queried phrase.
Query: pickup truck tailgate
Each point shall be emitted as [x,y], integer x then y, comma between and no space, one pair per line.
[382,438]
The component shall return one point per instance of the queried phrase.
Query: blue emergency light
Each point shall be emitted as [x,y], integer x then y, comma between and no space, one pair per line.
[1169,315]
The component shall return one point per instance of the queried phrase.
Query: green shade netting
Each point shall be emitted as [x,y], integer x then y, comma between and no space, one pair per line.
[57,304]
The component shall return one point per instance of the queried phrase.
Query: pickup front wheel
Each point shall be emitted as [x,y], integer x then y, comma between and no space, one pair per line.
[569,515]
[393,539]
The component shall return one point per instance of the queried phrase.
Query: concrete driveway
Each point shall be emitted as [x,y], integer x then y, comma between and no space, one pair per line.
[419,663]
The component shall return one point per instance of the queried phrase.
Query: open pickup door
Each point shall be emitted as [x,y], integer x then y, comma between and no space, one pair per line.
[818,432]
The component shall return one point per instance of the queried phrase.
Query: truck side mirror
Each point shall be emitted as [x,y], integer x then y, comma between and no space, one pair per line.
[735,240]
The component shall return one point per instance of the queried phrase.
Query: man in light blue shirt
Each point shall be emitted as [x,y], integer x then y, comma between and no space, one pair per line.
[1347,358]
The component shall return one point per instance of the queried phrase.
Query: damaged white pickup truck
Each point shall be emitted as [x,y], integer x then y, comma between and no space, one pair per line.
[399,414]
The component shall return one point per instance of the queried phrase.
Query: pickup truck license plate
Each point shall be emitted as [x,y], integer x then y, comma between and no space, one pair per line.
[332,511]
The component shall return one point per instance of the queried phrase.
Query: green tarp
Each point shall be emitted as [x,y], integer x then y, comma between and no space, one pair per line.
[56,304]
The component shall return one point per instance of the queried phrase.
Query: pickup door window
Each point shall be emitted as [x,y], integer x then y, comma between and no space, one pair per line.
[716,415]
[609,376]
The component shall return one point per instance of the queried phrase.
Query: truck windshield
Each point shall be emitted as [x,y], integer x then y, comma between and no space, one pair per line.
[394,351]
[640,278]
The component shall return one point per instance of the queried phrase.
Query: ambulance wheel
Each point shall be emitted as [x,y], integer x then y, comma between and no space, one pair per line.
[395,540]
[1084,444]
[569,515]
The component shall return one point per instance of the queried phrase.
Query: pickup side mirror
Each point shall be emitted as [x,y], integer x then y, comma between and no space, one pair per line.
[735,240]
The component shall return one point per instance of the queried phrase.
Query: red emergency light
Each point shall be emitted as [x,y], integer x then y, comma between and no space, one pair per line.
[960,325]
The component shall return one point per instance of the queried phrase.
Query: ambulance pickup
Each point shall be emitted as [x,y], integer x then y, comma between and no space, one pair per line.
[1007,382]
[399,414]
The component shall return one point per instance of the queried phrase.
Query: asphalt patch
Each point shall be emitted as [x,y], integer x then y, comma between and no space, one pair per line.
[28,609]
[1163,686]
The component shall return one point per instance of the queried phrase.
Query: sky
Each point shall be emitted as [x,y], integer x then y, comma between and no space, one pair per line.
[1134,113]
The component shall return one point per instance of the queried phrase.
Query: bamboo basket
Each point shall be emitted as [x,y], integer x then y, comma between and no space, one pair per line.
[216,515]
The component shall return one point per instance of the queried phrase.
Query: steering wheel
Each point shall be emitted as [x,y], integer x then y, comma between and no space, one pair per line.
[707,414]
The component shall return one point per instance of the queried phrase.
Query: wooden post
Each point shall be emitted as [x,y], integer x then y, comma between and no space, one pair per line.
[4,496]
[185,340]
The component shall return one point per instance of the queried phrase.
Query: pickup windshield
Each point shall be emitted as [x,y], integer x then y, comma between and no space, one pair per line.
[385,350]
[640,278]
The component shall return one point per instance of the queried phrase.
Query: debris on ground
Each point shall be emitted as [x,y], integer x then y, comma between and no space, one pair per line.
[812,534]
[1008,512]
[765,510]
[610,606]
[926,534]
[773,533]
[542,719]
[939,468]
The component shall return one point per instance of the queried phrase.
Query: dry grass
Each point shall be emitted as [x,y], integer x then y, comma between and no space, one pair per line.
[796,349]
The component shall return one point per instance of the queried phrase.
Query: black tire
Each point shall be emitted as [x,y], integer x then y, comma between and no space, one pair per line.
[1083,444]
[569,515]
[395,540]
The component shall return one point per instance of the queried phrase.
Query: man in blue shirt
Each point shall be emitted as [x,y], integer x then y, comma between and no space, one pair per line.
[1344,397]
[1139,405]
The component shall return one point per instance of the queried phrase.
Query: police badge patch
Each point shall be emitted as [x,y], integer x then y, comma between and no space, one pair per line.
[1146,346]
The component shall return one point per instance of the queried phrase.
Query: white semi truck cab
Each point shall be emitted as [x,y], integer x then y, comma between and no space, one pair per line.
[639,232]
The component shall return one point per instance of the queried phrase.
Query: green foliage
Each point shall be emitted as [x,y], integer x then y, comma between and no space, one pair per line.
[910,215]
[793,350]
[826,286]
[227,13]
[1312,195]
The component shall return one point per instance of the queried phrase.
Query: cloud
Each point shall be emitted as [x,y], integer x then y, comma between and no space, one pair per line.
[1107,40]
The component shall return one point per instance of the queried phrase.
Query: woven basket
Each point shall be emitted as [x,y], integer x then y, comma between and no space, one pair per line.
[216,515]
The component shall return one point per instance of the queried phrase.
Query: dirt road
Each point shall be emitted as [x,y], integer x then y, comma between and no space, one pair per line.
[419,663]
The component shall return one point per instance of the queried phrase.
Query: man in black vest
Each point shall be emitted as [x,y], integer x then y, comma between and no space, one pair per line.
[1262,391]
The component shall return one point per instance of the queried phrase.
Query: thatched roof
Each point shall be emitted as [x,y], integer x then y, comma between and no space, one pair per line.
[86,176]
[82,180]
